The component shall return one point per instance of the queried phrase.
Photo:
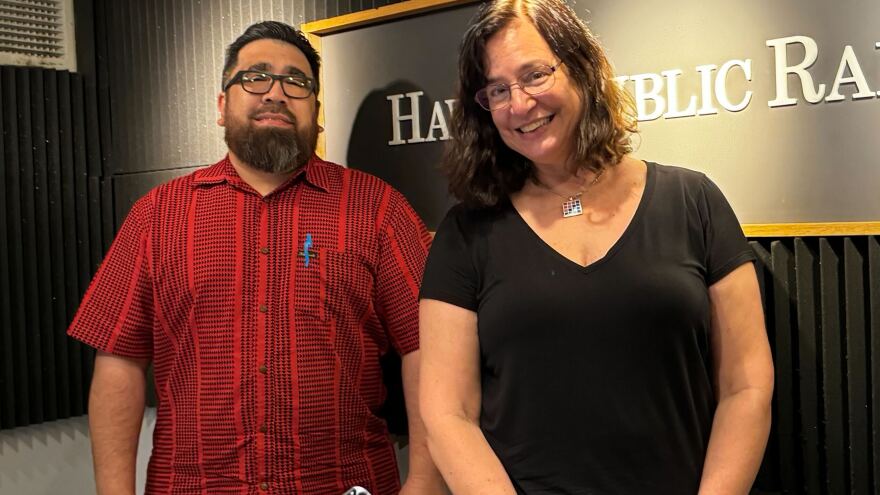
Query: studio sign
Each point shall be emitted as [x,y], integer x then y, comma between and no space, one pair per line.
[657,95]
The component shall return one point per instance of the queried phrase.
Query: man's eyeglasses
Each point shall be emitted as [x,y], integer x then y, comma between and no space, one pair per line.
[535,81]
[295,86]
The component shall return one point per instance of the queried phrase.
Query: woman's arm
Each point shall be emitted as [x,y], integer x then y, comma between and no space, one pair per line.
[423,477]
[743,376]
[450,401]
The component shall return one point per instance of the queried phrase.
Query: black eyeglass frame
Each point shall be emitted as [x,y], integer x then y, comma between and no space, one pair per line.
[239,78]
[519,84]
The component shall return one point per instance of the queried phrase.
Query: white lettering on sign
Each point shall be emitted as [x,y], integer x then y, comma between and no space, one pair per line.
[658,95]
[645,94]
[673,111]
[721,85]
[811,52]
[437,123]
[707,108]
[849,63]
[413,117]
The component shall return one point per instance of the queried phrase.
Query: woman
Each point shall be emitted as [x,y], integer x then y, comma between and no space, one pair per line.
[590,323]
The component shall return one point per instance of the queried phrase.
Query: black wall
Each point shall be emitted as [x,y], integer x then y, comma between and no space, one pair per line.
[160,62]
[78,148]
[55,225]
[822,304]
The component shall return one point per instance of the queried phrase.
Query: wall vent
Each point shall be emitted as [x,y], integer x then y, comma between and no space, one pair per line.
[37,33]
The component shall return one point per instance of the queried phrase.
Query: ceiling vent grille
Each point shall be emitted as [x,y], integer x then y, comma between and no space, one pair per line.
[37,33]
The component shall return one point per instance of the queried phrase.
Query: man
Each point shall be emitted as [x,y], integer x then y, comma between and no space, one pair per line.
[264,289]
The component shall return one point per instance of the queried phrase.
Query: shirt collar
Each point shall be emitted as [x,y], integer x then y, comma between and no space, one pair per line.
[315,172]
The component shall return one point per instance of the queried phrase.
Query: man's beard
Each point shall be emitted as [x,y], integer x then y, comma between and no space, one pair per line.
[271,149]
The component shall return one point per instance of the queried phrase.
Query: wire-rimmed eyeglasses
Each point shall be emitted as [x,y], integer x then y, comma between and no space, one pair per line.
[535,81]
[297,86]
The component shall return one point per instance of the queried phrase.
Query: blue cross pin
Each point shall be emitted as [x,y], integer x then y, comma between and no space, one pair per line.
[306,245]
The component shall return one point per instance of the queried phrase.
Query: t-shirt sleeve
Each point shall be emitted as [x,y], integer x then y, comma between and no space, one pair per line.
[450,274]
[403,247]
[116,314]
[726,245]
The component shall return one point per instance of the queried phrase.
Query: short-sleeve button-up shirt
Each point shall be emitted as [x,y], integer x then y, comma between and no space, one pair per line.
[265,318]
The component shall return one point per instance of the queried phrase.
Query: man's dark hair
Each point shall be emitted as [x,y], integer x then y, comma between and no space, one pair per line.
[272,30]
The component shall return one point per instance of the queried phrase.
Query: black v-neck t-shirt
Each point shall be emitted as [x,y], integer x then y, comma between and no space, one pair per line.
[597,379]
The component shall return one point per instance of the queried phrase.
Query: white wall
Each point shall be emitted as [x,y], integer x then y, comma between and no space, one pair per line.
[55,458]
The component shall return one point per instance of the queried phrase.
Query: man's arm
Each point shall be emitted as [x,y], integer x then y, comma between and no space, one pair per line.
[116,410]
[423,477]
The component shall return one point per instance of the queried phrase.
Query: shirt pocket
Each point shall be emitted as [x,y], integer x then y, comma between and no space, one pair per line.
[346,286]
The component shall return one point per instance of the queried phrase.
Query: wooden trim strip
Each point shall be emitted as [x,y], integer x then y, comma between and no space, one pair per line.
[321,147]
[811,229]
[806,229]
[381,14]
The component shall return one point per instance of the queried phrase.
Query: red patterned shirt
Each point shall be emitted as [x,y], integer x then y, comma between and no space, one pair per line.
[265,318]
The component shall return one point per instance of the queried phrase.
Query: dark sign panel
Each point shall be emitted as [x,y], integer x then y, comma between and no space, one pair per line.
[778,102]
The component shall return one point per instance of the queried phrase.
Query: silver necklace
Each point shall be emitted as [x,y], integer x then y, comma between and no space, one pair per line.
[572,205]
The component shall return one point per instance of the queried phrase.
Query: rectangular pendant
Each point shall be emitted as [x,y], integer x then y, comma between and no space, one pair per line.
[572,208]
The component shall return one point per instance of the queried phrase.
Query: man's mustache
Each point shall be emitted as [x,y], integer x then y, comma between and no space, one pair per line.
[274,109]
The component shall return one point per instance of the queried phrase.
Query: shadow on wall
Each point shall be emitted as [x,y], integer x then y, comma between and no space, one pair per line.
[412,167]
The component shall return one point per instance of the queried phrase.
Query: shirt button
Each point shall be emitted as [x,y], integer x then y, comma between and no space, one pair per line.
[263,369]
[264,486]
[264,250]
[263,308]
[263,428]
